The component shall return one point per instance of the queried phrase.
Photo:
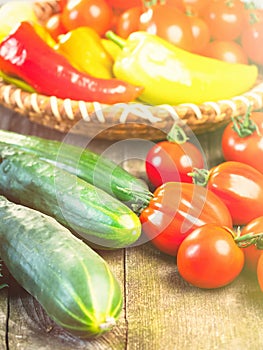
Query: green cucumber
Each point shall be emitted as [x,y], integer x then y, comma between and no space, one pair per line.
[87,165]
[73,284]
[99,218]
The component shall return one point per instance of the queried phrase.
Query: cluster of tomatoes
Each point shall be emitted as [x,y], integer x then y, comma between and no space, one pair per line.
[230,30]
[218,225]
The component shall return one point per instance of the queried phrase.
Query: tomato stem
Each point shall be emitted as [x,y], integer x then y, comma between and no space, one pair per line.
[177,135]
[244,126]
[250,239]
[142,200]
[199,176]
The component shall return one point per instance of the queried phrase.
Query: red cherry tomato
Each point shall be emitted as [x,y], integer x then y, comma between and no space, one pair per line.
[260,272]
[96,14]
[128,22]
[252,253]
[172,161]
[209,257]
[240,187]
[169,23]
[253,15]
[201,34]
[226,50]
[123,5]
[225,18]
[176,209]
[54,26]
[243,141]
[177,3]
[196,6]
[251,40]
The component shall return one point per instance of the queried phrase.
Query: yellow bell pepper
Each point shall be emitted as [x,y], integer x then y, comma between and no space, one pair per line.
[173,76]
[44,34]
[83,48]
[112,48]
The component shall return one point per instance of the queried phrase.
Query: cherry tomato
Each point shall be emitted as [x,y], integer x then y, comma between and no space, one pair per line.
[177,3]
[240,187]
[201,34]
[243,141]
[62,4]
[260,272]
[92,13]
[54,26]
[252,253]
[169,23]
[209,257]
[176,209]
[225,18]
[172,161]
[128,22]
[226,50]
[253,15]
[123,5]
[251,40]
[195,6]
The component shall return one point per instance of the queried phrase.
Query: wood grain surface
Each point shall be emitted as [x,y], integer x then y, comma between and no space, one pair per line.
[161,311]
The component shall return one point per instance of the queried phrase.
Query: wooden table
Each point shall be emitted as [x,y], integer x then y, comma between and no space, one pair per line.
[161,311]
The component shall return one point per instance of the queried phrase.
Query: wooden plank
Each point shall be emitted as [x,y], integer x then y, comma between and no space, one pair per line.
[3,318]
[164,312]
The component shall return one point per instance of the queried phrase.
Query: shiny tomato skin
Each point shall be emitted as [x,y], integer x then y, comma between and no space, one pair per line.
[169,161]
[247,149]
[240,187]
[201,34]
[96,14]
[226,50]
[128,22]
[252,253]
[176,209]
[54,26]
[251,41]
[170,24]
[225,18]
[209,257]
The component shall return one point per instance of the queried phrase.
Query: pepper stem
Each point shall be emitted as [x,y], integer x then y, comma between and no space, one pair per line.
[244,126]
[200,176]
[115,38]
[177,135]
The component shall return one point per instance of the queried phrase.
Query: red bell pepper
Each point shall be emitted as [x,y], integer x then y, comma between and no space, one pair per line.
[26,55]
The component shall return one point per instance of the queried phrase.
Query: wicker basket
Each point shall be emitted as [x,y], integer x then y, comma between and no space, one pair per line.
[120,121]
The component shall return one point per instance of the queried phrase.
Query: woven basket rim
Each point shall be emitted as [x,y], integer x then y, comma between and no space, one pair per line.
[207,114]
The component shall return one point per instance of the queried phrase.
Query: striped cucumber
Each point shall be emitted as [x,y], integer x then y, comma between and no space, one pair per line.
[87,165]
[92,213]
[73,284]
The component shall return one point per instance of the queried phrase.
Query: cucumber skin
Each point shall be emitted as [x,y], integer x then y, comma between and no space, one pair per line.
[102,220]
[81,295]
[85,164]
